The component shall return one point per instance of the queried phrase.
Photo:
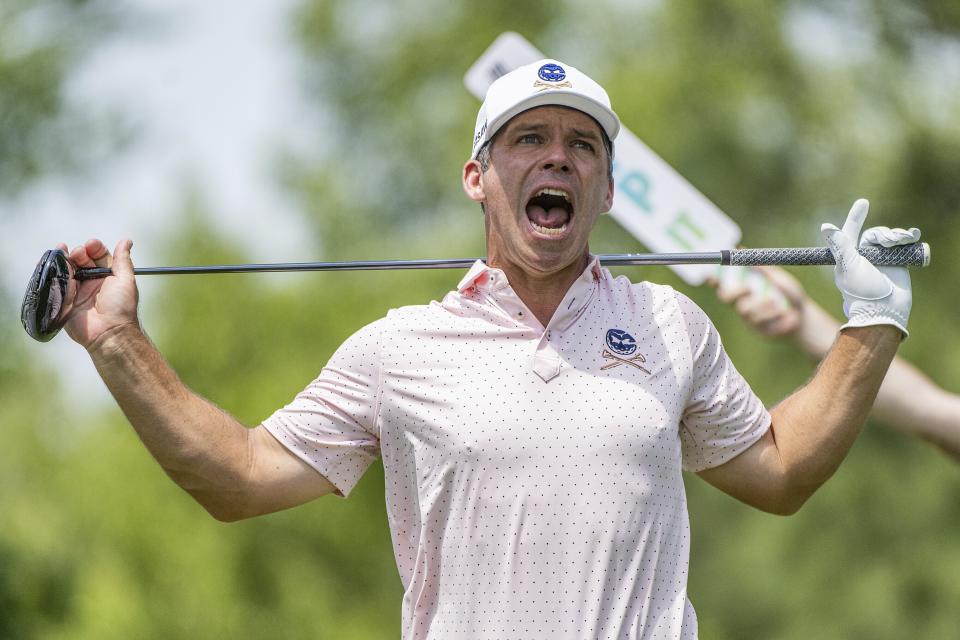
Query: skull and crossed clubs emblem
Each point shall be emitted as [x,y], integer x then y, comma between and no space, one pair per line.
[620,345]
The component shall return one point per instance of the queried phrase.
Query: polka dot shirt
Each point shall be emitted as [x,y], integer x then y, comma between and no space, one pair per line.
[533,474]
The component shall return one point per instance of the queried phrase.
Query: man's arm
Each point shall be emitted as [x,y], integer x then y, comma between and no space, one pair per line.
[814,428]
[908,400]
[232,471]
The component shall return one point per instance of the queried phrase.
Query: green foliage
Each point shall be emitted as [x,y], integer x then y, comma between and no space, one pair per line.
[41,130]
[781,128]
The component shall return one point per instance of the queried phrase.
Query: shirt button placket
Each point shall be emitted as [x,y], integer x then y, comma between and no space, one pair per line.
[546,360]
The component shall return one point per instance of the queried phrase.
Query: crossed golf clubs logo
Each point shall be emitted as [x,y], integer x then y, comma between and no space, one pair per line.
[540,85]
[621,344]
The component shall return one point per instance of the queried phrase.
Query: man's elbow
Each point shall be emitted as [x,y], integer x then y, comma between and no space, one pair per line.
[227,515]
[790,498]
[230,509]
[787,506]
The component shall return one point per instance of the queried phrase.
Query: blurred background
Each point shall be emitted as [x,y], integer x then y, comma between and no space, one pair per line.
[312,129]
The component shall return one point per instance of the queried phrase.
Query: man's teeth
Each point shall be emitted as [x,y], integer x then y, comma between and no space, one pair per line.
[550,231]
[553,192]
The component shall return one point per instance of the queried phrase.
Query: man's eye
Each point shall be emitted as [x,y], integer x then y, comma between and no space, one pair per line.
[583,144]
[529,138]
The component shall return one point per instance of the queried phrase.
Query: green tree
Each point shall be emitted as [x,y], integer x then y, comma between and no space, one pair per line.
[41,129]
[780,128]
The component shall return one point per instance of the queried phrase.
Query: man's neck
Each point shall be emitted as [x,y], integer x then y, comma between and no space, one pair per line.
[543,294]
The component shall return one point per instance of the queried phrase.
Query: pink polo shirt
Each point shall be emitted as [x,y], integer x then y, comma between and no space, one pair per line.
[533,475]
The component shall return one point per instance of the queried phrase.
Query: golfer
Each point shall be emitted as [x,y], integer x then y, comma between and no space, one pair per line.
[534,424]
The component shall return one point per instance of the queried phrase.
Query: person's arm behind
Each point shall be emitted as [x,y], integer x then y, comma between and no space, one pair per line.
[232,471]
[908,400]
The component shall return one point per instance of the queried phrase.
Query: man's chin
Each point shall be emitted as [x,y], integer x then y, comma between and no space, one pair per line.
[548,263]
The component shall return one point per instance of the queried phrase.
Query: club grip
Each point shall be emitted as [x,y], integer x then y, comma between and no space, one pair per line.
[908,255]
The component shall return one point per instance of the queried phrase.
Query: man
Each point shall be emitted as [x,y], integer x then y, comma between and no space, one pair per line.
[534,424]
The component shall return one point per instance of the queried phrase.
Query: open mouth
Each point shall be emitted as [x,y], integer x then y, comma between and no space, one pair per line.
[549,211]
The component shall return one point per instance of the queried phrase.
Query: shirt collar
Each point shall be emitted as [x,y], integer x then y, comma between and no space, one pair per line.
[486,278]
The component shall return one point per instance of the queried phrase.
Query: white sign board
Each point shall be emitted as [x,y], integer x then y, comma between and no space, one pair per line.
[651,200]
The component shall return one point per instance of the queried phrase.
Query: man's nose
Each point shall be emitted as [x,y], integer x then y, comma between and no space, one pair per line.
[556,157]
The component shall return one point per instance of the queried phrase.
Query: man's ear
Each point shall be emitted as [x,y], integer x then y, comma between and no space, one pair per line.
[473,181]
[608,203]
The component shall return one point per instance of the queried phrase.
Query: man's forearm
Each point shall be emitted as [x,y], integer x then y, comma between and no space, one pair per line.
[203,449]
[908,400]
[815,427]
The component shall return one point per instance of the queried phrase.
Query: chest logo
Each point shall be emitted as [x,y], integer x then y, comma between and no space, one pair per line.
[621,342]
[621,345]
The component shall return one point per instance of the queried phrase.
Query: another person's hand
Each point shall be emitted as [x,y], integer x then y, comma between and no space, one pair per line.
[102,305]
[871,295]
[771,305]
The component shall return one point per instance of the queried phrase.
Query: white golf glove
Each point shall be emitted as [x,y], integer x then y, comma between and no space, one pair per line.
[871,295]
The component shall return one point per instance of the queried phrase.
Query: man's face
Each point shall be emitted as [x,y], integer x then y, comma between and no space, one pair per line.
[545,188]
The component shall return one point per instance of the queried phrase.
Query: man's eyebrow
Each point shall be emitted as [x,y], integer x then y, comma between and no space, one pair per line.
[537,126]
[527,126]
[586,133]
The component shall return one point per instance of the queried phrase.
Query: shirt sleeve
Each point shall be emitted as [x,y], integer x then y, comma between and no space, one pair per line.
[332,423]
[723,416]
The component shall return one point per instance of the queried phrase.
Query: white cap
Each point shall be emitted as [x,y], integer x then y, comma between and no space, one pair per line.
[545,82]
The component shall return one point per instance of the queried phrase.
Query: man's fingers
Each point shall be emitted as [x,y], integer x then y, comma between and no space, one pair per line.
[758,309]
[98,252]
[840,245]
[854,222]
[91,253]
[767,317]
[122,263]
[871,295]
[785,283]
[854,275]
[887,237]
[730,293]
[843,247]
[80,257]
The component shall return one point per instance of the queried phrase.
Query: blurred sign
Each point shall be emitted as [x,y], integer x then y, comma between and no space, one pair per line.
[651,200]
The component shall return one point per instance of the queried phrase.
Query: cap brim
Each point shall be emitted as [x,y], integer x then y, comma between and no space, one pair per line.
[604,116]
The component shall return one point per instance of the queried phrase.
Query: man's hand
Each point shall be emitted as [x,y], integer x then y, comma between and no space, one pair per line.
[103,304]
[773,309]
[871,295]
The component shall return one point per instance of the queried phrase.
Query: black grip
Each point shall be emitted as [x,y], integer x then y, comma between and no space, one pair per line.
[908,255]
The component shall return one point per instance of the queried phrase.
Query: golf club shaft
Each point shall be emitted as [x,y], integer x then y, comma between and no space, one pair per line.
[907,255]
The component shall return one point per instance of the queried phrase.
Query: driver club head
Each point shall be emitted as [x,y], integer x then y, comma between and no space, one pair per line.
[49,295]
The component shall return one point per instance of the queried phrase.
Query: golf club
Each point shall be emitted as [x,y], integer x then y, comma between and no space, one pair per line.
[52,287]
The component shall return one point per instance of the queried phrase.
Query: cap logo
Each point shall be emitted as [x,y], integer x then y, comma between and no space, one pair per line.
[552,72]
[551,76]
[479,134]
